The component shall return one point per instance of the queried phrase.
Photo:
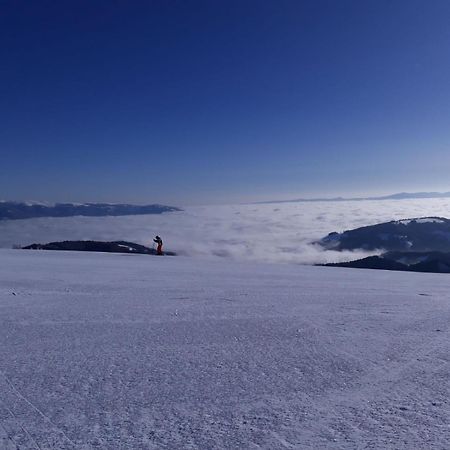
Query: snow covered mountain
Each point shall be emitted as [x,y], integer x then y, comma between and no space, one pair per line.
[422,234]
[20,210]
[110,351]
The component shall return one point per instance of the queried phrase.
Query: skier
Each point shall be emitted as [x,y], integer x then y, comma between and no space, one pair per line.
[159,243]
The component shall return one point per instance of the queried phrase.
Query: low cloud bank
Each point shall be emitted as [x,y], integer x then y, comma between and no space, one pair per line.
[280,232]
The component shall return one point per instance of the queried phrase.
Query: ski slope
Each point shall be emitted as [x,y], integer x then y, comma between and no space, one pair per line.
[136,352]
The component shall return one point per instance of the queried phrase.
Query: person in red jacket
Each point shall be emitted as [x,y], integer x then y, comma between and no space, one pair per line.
[159,244]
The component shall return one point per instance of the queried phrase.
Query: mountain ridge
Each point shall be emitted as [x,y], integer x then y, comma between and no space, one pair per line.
[11,210]
[417,234]
[97,246]
[396,196]
[429,262]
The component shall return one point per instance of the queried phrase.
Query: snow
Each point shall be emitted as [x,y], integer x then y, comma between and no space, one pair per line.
[125,246]
[420,220]
[131,351]
[429,220]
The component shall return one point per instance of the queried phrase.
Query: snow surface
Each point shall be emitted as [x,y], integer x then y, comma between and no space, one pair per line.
[420,220]
[138,352]
[429,220]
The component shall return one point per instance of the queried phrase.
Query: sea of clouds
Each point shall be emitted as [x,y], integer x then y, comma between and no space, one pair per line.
[276,232]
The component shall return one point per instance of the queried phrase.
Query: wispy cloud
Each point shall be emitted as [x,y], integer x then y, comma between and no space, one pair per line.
[269,232]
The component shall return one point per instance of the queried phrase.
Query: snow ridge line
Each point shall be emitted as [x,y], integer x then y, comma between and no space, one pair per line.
[45,417]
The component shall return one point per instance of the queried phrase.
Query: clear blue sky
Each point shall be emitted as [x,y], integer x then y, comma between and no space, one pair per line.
[187,102]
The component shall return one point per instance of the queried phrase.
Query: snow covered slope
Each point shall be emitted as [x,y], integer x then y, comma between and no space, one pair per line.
[132,351]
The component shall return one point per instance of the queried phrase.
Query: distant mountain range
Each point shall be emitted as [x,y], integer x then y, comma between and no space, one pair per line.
[398,196]
[19,210]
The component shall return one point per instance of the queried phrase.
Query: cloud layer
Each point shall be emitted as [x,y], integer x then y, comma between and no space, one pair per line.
[269,232]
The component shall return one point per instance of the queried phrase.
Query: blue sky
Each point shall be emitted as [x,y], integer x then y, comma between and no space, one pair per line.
[189,102]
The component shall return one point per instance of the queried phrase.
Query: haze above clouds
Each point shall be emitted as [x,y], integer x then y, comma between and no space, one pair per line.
[276,232]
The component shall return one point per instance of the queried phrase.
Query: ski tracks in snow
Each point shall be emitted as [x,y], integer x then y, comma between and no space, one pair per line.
[24,426]
[413,388]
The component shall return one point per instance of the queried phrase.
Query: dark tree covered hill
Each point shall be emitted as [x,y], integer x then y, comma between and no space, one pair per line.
[433,262]
[97,246]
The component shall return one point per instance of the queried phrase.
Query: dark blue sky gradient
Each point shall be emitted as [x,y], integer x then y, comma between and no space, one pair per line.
[204,101]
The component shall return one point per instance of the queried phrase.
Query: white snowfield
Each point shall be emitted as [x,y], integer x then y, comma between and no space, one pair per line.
[116,351]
